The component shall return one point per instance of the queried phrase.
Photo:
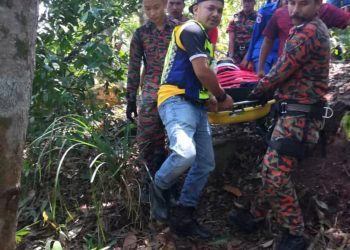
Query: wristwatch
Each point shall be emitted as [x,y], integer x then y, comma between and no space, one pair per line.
[221,98]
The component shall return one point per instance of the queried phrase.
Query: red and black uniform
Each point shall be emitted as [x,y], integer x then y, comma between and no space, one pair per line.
[149,45]
[242,27]
[299,80]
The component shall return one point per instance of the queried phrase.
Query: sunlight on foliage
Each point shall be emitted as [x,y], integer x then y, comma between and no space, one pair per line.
[77,43]
[53,245]
[340,43]
[20,234]
[345,124]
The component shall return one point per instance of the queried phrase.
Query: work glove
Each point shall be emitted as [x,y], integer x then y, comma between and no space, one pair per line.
[261,97]
[131,110]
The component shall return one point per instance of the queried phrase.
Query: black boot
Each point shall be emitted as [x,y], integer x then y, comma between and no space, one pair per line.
[159,200]
[158,160]
[183,223]
[243,219]
[155,163]
[291,242]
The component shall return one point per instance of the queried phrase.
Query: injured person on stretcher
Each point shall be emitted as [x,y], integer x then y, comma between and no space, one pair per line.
[238,84]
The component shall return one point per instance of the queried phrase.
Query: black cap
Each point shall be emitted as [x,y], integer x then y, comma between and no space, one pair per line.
[199,1]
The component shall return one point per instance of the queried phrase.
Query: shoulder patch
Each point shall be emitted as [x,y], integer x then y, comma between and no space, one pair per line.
[258,18]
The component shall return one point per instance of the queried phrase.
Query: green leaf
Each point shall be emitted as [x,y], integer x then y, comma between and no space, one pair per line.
[345,123]
[61,162]
[53,245]
[65,28]
[95,172]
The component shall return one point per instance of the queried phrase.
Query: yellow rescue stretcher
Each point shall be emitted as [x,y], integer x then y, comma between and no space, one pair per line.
[238,84]
[244,111]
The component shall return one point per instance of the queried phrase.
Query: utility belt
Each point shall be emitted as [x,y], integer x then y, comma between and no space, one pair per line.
[292,147]
[317,111]
[193,101]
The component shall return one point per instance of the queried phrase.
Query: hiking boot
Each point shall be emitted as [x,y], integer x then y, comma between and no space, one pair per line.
[159,200]
[243,219]
[155,163]
[183,223]
[291,242]
[158,160]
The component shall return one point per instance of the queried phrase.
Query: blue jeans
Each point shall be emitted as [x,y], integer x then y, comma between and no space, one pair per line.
[339,3]
[191,148]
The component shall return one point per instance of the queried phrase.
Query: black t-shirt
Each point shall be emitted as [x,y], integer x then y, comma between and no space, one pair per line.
[193,38]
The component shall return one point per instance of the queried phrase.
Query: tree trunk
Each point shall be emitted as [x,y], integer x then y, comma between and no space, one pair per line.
[18,24]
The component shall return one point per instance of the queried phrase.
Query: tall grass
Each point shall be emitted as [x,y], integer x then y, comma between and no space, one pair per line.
[75,144]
